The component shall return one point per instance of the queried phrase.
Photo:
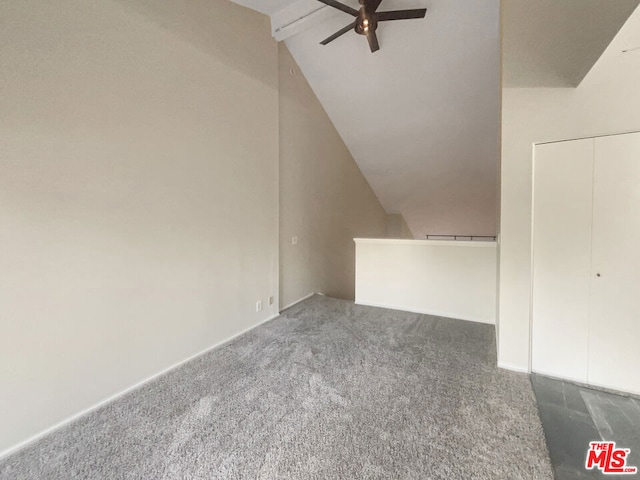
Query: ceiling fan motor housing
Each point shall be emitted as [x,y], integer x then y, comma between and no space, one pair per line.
[367,21]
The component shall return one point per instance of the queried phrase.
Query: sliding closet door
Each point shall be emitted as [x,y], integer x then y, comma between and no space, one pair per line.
[614,340]
[563,179]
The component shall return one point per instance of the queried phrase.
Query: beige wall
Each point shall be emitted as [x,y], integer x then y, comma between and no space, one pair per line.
[324,200]
[607,101]
[397,227]
[138,194]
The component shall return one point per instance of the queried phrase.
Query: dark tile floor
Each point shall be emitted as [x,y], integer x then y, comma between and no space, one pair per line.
[573,415]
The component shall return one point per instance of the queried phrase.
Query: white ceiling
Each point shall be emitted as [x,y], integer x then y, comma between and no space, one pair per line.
[421,116]
[554,43]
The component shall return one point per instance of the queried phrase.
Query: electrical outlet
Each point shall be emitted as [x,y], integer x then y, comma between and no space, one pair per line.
[259,306]
[270,300]
[294,240]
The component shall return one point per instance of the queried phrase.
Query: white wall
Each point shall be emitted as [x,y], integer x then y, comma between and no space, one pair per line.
[562,229]
[138,194]
[452,279]
[607,101]
[325,201]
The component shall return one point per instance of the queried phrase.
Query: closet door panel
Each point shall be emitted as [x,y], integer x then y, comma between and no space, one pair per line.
[614,340]
[562,209]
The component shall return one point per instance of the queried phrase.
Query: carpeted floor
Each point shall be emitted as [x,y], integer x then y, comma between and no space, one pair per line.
[327,390]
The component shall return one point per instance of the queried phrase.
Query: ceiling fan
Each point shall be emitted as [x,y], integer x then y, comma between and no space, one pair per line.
[367,19]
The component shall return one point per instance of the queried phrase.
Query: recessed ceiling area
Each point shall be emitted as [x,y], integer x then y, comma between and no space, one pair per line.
[554,43]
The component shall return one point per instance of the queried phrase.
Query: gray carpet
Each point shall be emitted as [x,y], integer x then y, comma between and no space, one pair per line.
[327,390]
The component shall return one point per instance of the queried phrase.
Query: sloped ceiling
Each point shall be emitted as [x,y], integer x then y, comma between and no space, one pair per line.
[421,117]
[554,43]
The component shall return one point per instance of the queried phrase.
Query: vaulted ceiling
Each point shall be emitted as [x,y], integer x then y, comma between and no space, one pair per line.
[421,116]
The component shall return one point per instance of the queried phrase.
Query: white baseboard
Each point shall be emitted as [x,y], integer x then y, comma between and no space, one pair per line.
[300,300]
[424,312]
[115,396]
[513,368]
